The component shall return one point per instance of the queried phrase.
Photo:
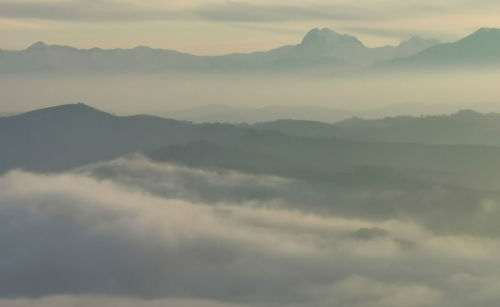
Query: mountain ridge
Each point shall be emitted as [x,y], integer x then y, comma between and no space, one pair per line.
[319,49]
[480,49]
[466,127]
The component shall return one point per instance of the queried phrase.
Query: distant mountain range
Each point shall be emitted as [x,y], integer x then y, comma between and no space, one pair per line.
[233,114]
[481,49]
[321,49]
[464,127]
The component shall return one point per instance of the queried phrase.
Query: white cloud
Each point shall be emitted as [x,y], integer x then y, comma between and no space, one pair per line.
[196,185]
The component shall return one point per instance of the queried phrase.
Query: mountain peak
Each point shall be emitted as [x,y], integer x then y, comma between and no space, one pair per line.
[143,48]
[38,46]
[326,36]
[484,44]
[67,111]
[79,108]
[488,30]
[485,34]
[317,32]
[467,114]
[418,41]
[415,38]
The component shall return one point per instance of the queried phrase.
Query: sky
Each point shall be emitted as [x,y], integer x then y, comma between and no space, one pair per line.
[212,27]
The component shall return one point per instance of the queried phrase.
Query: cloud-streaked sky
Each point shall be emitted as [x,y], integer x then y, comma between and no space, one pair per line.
[222,26]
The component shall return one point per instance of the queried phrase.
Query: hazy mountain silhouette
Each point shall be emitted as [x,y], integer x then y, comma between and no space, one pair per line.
[234,114]
[231,114]
[41,57]
[323,43]
[480,49]
[406,48]
[463,127]
[320,49]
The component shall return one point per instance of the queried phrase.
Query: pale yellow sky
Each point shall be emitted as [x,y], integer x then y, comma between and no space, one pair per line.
[223,26]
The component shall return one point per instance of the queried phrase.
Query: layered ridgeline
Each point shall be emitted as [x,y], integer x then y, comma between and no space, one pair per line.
[250,115]
[320,48]
[464,127]
[68,136]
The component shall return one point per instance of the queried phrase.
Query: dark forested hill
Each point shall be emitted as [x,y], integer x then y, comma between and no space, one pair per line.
[70,135]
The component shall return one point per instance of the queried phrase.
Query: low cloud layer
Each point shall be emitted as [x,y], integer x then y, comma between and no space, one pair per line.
[195,185]
[72,239]
[462,207]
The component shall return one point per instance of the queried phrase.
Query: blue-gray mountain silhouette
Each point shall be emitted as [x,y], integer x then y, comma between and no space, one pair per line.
[463,127]
[320,49]
[480,49]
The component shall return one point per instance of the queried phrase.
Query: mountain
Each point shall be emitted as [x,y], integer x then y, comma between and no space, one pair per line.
[463,127]
[234,114]
[405,49]
[480,49]
[41,57]
[324,43]
[319,49]
[66,136]
[230,114]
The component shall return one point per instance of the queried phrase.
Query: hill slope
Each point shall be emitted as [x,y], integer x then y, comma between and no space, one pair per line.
[70,135]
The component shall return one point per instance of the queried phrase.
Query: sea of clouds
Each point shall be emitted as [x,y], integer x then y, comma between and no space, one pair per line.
[133,232]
